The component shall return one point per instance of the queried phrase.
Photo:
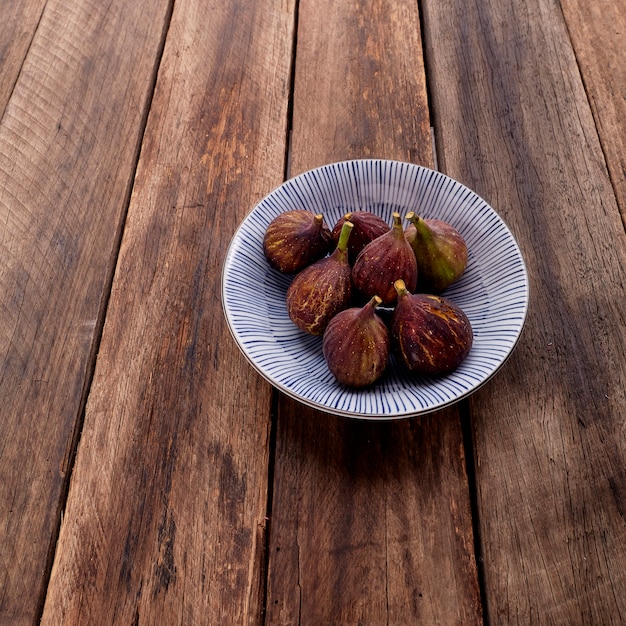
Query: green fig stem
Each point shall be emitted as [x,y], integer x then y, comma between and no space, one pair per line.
[419,224]
[376,301]
[346,229]
[400,288]
[318,220]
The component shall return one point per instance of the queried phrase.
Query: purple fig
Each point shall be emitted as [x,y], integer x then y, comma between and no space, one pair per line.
[440,251]
[295,239]
[321,290]
[356,345]
[430,334]
[383,261]
[367,227]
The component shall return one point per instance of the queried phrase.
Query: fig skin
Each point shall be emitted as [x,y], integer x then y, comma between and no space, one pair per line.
[321,290]
[367,227]
[356,345]
[296,239]
[383,261]
[440,251]
[430,334]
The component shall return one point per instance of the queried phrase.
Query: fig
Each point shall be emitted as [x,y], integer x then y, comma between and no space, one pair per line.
[440,251]
[367,227]
[356,345]
[383,261]
[321,290]
[296,239]
[430,334]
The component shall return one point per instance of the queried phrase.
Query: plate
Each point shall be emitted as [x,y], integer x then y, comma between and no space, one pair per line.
[493,291]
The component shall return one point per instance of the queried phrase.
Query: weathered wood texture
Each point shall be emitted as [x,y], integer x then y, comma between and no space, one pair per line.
[165,520]
[19,22]
[370,523]
[598,33]
[359,84]
[514,123]
[69,138]
[356,504]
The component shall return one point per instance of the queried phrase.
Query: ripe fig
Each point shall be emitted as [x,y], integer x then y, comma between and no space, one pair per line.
[295,239]
[440,250]
[321,290]
[356,345]
[383,261]
[430,334]
[367,227]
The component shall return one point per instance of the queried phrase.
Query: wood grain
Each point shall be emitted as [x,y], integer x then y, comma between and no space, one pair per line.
[19,21]
[165,520]
[598,31]
[68,144]
[368,67]
[370,522]
[514,123]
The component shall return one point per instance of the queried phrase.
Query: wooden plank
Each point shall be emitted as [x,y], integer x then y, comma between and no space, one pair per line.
[514,123]
[19,21]
[360,87]
[370,522]
[598,33]
[68,144]
[165,520]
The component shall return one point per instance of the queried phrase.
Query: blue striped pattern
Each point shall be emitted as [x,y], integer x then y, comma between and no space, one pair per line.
[493,292]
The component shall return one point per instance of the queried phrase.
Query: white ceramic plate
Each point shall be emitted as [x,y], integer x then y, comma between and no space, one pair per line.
[493,291]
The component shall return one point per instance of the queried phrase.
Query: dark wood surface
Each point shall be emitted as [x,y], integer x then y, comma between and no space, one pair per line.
[549,434]
[78,89]
[147,474]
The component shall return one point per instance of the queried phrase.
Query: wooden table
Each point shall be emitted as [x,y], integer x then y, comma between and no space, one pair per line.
[148,475]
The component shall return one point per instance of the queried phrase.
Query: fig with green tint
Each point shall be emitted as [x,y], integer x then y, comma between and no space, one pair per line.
[440,251]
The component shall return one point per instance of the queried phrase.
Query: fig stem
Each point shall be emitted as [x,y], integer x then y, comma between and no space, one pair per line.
[376,301]
[346,229]
[397,228]
[416,220]
[419,223]
[318,220]
[400,287]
